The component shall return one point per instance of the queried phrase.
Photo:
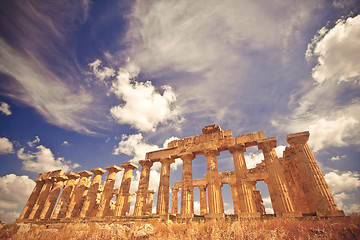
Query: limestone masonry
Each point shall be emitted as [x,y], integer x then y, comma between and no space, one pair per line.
[296,185]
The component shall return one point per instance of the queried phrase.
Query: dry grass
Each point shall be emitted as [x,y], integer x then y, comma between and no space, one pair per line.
[332,228]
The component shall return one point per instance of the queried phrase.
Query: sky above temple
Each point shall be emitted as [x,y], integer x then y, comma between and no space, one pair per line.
[87,84]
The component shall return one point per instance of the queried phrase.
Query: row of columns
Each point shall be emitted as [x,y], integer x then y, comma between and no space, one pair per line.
[79,196]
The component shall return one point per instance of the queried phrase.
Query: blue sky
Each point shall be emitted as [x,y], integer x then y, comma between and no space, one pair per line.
[86,84]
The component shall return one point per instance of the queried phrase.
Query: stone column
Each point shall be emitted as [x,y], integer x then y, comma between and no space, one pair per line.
[315,184]
[174,200]
[162,206]
[277,184]
[88,208]
[203,201]
[75,204]
[246,207]
[107,194]
[235,198]
[216,205]
[187,189]
[149,202]
[122,200]
[44,193]
[141,194]
[33,197]
[295,180]
[64,200]
[50,202]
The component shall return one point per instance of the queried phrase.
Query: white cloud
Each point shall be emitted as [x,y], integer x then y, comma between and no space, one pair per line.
[338,52]
[32,143]
[331,132]
[135,146]
[101,73]
[344,202]
[144,108]
[337,158]
[342,182]
[330,109]
[14,192]
[6,146]
[5,108]
[59,103]
[209,41]
[65,143]
[268,205]
[252,159]
[43,160]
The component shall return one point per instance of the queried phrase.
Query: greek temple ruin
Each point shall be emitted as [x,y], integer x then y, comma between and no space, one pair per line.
[296,185]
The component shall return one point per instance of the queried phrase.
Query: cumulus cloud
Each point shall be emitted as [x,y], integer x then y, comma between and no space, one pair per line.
[6,146]
[135,146]
[330,109]
[338,52]
[14,192]
[5,108]
[345,203]
[342,182]
[43,160]
[65,143]
[144,107]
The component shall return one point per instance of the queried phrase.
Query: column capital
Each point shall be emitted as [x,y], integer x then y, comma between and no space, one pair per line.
[298,138]
[72,175]
[202,186]
[98,171]
[267,143]
[237,147]
[57,173]
[129,165]
[84,173]
[61,178]
[146,163]
[167,160]
[187,156]
[113,168]
[175,189]
[211,152]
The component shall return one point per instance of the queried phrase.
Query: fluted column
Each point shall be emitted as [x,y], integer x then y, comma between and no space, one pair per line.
[315,184]
[203,200]
[33,197]
[44,193]
[277,182]
[149,202]
[88,208]
[75,204]
[246,202]
[141,194]
[107,194]
[162,206]
[53,195]
[174,200]
[187,189]
[122,200]
[216,205]
[235,198]
[64,200]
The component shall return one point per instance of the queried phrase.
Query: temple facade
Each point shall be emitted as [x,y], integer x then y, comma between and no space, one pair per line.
[296,185]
